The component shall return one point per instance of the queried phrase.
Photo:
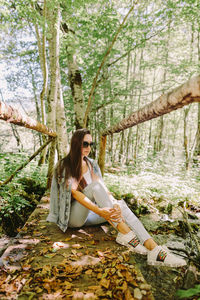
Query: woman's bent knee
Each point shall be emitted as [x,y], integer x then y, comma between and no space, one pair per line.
[76,223]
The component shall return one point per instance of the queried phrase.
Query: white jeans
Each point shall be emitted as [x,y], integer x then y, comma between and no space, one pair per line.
[96,192]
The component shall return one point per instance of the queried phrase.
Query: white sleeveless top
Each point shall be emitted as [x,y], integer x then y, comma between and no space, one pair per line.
[88,177]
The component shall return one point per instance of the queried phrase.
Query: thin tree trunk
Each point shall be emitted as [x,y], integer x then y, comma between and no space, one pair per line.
[17,136]
[111,137]
[197,137]
[135,155]
[122,145]
[53,14]
[35,96]
[130,142]
[150,125]
[41,42]
[102,153]
[36,103]
[62,141]
[158,139]
[185,138]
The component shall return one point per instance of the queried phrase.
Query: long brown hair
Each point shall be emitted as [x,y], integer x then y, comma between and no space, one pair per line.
[72,162]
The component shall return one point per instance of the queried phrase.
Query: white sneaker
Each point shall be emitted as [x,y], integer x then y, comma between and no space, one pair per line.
[131,241]
[161,256]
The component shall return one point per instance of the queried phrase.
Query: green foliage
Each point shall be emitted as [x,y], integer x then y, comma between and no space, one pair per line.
[155,181]
[186,294]
[19,197]
[13,208]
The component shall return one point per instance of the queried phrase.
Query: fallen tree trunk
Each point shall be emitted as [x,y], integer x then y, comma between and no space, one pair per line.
[185,94]
[12,115]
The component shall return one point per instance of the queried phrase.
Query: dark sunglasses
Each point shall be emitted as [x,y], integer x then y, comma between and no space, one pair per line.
[86,144]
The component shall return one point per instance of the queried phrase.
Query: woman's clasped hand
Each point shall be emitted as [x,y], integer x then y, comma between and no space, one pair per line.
[111,214]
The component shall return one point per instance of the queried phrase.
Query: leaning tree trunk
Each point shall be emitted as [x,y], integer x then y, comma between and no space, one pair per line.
[12,115]
[185,94]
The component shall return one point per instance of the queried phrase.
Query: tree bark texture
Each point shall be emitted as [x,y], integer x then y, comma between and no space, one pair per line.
[102,153]
[76,89]
[53,18]
[61,129]
[185,94]
[12,115]
[41,42]
[75,79]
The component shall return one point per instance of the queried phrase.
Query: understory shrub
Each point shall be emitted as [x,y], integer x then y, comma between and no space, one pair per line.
[19,197]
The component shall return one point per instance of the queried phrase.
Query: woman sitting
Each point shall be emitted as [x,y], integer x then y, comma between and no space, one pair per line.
[79,197]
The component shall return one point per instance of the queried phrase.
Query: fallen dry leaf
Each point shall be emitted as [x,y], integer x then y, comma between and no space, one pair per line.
[105,283]
[67,239]
[67,285]
[88,272]
[77,246]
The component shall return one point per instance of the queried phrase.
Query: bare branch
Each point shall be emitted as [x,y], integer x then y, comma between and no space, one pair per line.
[136,46]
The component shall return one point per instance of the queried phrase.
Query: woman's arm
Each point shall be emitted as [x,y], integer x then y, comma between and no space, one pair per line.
[106,212]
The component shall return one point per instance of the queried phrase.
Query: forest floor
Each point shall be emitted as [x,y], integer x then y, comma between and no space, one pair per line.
[42,262]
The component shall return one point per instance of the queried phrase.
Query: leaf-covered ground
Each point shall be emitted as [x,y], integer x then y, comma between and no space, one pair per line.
[44,263]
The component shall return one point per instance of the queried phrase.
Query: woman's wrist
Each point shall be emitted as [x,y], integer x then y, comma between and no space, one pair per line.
[97,210]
